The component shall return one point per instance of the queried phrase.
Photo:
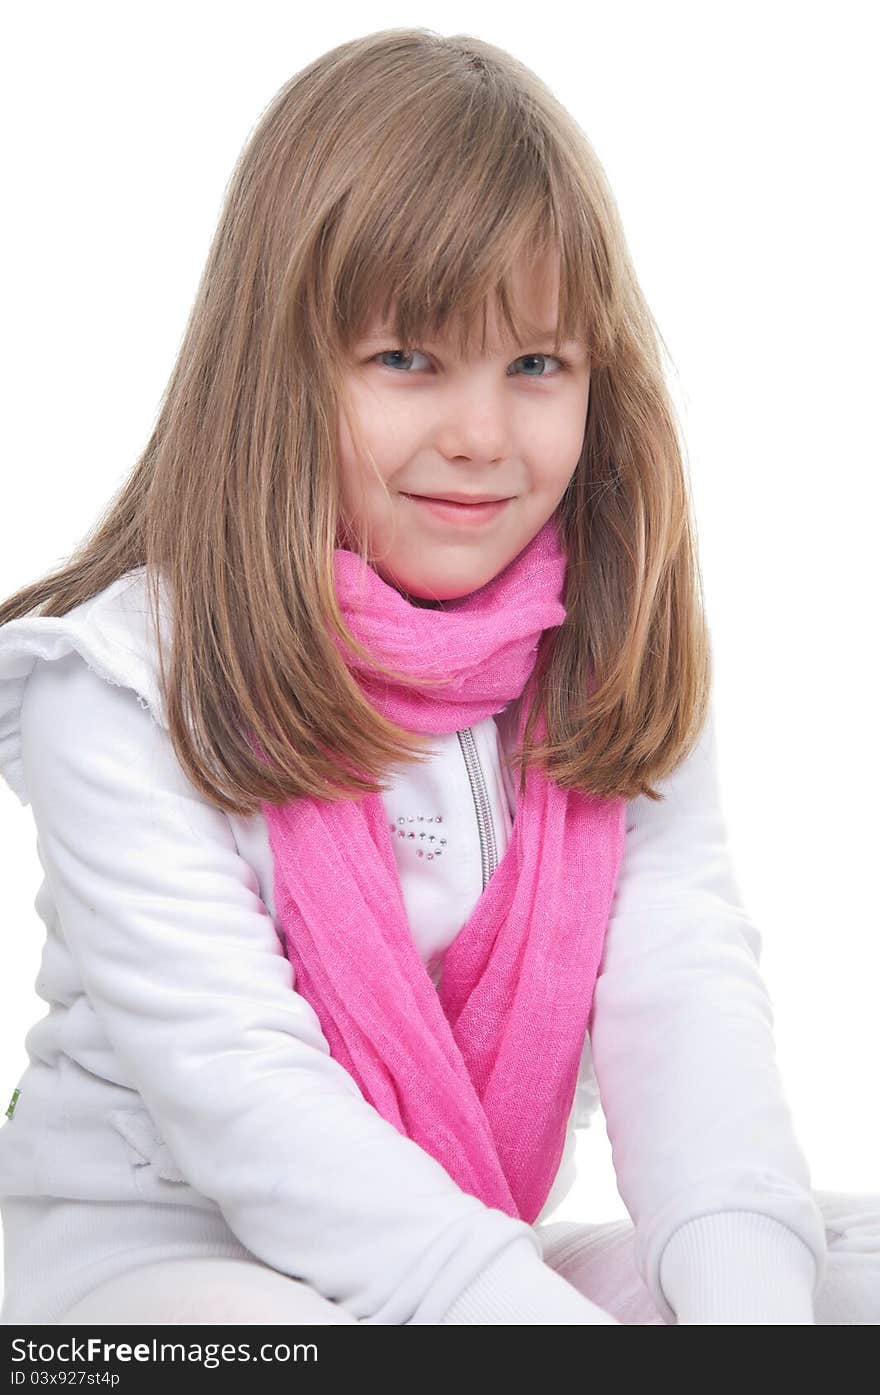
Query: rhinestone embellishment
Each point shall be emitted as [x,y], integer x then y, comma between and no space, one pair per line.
[428,845]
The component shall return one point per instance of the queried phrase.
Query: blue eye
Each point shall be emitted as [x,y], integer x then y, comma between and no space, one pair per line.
[402,353]
[399,353]
[561,361]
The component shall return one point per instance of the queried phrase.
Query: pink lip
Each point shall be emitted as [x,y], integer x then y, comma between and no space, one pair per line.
[463,515]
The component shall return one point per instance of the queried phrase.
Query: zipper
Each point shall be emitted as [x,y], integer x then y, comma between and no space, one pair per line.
[485,826]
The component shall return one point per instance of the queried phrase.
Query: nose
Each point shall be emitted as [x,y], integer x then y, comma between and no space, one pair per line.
[475,424]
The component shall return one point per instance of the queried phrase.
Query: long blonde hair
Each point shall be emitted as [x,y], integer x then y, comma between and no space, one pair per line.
[417,169]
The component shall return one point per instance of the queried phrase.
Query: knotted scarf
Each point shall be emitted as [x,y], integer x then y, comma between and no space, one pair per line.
[482,1072]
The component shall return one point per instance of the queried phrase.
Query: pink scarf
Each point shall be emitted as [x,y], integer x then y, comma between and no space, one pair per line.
[482,1073]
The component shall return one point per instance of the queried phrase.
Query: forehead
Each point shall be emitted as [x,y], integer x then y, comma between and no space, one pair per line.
[532,301]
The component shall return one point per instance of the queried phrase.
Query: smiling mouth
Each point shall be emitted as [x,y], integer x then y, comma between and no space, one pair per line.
[447,513]
[456,503]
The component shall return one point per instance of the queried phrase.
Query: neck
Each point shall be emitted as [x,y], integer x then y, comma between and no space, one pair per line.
[421,602]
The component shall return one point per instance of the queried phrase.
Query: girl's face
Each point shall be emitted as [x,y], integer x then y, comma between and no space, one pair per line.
[509,425]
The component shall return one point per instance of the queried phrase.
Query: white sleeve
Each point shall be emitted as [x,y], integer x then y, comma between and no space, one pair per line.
[681,1032]
[187,976]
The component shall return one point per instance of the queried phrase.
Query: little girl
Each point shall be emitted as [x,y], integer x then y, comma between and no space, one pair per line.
[369,745]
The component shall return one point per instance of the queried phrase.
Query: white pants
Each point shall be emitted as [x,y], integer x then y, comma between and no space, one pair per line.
[76,1262]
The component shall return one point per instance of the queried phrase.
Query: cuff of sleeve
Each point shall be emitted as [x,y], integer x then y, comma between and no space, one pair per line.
[738,1267]
[517,1287]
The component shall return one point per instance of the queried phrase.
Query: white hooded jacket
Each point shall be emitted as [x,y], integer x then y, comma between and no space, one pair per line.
[177,1062]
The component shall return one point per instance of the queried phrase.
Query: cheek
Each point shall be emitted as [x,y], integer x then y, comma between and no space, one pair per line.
[552,475]
[556,441]
[344,449]
[353,470]
[373,443]
[565,450]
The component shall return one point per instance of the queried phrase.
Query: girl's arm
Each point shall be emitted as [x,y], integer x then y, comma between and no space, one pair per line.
[703,1144]
[187,977]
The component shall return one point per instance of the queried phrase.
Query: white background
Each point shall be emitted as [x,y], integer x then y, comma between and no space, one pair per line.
[741,144]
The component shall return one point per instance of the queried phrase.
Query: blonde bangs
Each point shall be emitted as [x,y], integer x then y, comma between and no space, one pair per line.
[393,252]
